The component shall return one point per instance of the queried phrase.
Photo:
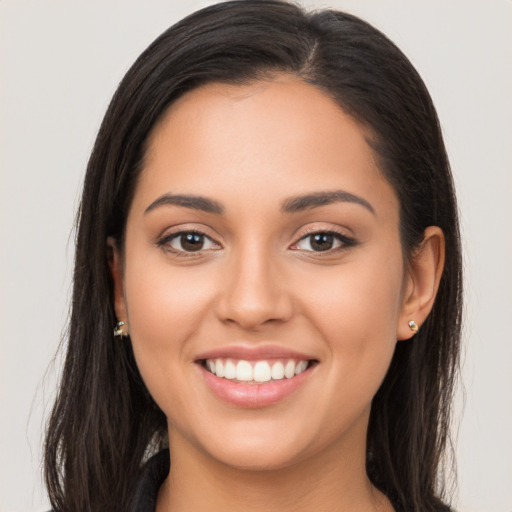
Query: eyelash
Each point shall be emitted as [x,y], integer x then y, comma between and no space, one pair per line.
[345,241]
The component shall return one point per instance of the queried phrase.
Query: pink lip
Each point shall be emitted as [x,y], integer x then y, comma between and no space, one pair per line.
[249,353]
[253,396]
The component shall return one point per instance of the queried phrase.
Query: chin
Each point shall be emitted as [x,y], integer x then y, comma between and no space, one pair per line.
[257,459]
[250,447]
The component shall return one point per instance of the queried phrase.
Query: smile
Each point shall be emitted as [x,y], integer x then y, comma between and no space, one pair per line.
[258,371]
[255,378]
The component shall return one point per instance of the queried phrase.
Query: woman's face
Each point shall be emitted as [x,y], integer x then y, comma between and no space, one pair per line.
[262,241]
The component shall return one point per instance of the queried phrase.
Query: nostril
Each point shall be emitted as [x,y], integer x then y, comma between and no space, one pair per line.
[250,312]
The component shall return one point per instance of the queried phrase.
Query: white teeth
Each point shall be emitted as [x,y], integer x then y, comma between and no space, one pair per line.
[289,369]
[244,371]
[219,368]
[229,370]
[301,367]
[277,371]
[262,372]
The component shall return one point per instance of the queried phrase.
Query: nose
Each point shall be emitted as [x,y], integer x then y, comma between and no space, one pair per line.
[254,292]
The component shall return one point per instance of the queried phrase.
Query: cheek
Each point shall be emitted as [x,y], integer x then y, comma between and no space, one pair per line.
[165,308]
[356,310]
[359,298]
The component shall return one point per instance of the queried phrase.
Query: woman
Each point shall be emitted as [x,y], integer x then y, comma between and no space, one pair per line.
[267,279]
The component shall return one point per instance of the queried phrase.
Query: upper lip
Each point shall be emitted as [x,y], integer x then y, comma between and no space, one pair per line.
[251,353]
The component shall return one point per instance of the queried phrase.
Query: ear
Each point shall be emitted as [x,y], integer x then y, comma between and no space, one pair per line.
[422,281]
[115,263]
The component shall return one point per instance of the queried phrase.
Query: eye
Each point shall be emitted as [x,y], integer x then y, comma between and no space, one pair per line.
[188,242]
[323,241]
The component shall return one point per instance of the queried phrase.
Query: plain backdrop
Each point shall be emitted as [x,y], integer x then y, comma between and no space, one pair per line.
[60,62]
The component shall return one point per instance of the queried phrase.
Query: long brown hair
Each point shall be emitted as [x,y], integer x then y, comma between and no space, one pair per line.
[104,423]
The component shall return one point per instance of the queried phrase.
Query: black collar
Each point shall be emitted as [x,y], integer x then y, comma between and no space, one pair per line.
[152,476]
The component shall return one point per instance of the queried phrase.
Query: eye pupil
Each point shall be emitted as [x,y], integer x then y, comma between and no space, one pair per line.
[192,241]
[322,241]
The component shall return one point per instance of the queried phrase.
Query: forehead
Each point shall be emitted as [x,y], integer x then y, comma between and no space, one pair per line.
[285,109]
[272,138]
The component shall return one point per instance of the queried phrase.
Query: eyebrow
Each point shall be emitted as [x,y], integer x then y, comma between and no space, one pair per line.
[187,201]
[316,199]
[290,205]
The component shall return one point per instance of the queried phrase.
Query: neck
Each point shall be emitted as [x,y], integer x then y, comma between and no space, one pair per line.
[333,480]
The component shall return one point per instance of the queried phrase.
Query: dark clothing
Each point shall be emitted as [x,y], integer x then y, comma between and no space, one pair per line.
[151,478]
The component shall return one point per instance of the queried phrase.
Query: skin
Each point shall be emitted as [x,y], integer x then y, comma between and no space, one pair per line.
[257,281]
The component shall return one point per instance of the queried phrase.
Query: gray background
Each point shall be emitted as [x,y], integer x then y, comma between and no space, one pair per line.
[60,62]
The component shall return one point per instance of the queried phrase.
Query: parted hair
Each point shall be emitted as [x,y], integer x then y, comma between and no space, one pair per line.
[104,424]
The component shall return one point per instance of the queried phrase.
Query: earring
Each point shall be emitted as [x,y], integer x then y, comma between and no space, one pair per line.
[413,326]
[118,329]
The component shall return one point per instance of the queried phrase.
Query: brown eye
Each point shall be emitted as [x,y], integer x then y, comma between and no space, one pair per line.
[187,242]
[191,242]
[321,241]
[324,241]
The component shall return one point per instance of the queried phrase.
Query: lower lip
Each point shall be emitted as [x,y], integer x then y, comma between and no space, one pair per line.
[253,395]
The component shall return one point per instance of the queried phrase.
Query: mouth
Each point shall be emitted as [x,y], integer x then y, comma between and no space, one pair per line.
[255,376]
[256,371]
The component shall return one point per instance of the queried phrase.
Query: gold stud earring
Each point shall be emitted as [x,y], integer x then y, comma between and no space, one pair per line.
[118,329]
[413,326]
